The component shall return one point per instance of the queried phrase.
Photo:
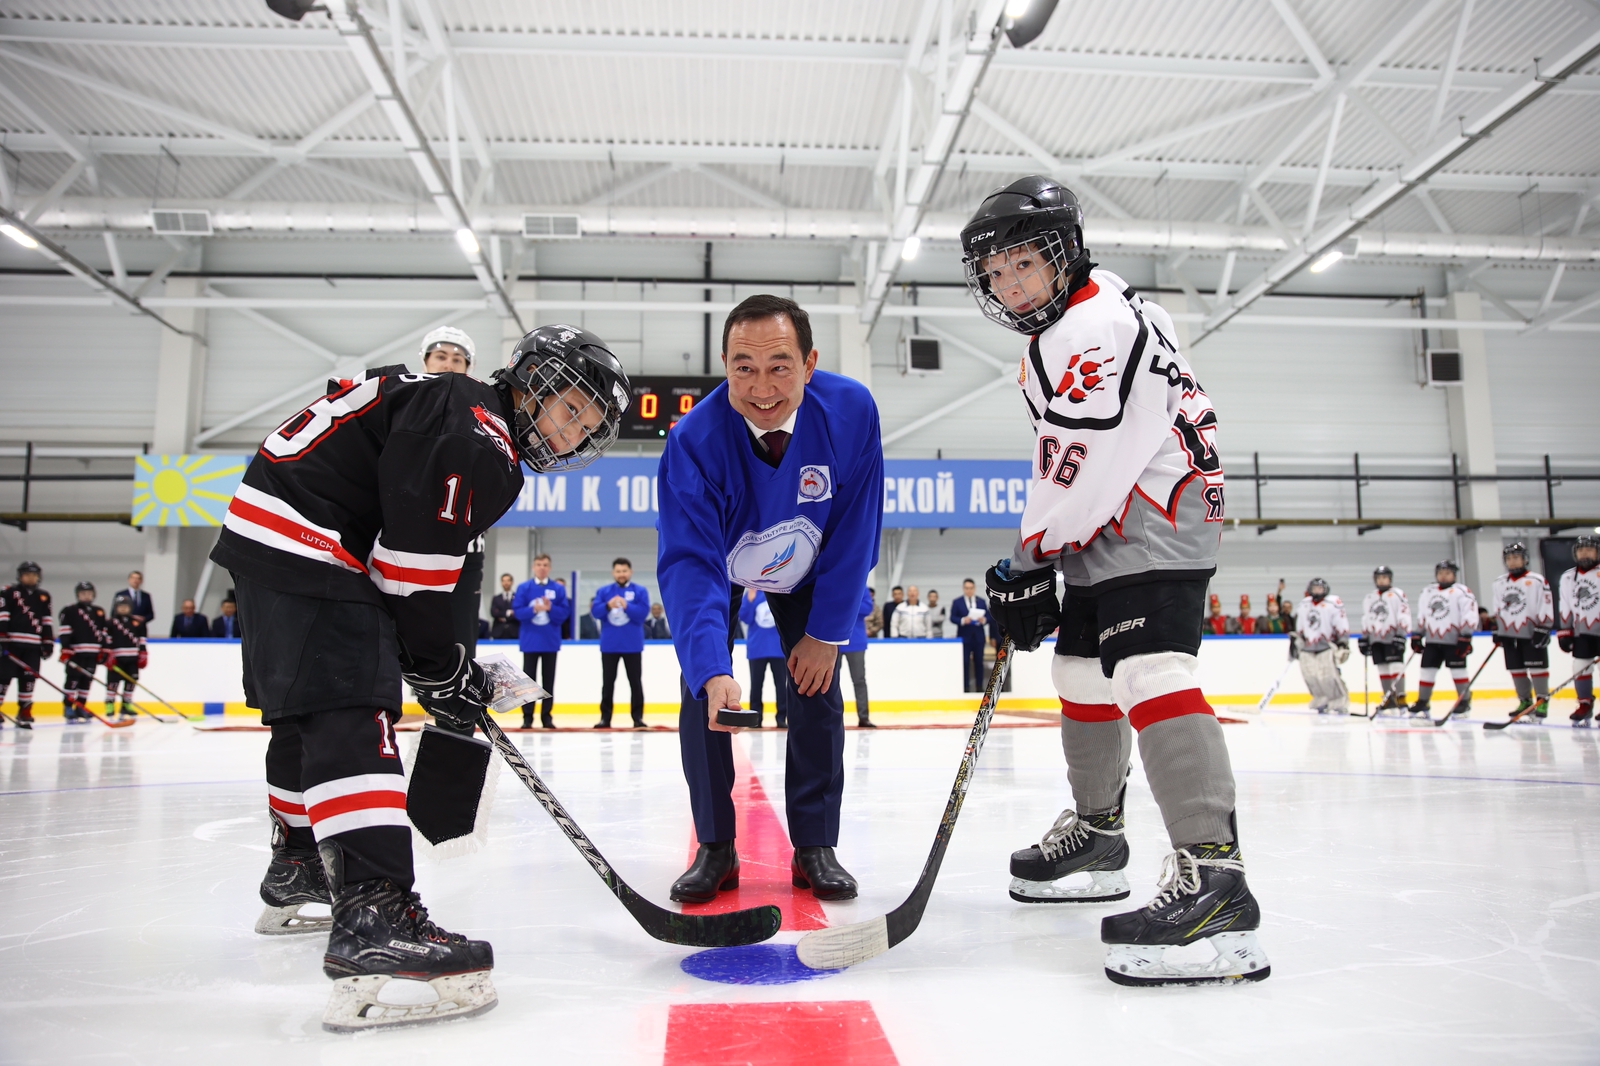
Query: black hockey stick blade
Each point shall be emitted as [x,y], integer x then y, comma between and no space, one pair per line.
[847,945]
[1467,695]
[750,926]
[138,707]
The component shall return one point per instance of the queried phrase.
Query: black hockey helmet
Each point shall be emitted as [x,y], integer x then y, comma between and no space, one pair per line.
[27,567]
[1036,213]
[1446,564]
[546,366]
[121,600]
[1317,588]
[1382,571]
[1589,541]
[83,586]
[1516,547]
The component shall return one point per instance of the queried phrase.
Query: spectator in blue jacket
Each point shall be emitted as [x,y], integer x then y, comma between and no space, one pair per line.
[541,607]
[621,608]
[855,657]
[764,651]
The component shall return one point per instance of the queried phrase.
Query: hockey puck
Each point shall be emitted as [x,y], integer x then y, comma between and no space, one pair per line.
[741,719]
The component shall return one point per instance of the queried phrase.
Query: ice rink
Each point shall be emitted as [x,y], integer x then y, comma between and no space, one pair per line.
[1430,895]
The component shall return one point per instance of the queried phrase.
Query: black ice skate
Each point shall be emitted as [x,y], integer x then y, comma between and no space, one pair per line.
[294,879]
[1423,707]
[1584,712]
[1202,900]
[1093,844]
[391,966]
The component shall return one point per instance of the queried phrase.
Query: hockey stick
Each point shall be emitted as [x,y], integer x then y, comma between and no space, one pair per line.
[40,677]
[1366,700]
[1534,706]
[692,930]
[107,686]
[14,721]
[140,684]
[1467,695]
[1390,689]
[846,945]
[1273,691]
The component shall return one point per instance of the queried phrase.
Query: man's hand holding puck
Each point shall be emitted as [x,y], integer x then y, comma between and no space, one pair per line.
[722,693]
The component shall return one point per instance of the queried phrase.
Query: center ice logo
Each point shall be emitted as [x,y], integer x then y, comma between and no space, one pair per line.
[775,559]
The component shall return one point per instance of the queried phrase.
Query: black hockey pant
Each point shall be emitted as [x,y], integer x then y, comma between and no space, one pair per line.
[116,682]
[336,775]
[10,668]
[79,676]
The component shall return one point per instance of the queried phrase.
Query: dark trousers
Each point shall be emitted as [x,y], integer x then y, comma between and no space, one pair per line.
[814,763]
[10,668]
[781,685]
[972,672]
[633,661]
[532,663]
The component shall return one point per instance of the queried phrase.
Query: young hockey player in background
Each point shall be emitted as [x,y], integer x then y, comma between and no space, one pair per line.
[83,639]
[125,653]
[1127,505]
[1447,615]
[1385,622]
[27,637]
[1322,644]
[1580,621]
[1522,617]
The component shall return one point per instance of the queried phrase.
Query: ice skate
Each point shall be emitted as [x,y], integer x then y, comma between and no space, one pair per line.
[393,967]
[1584,713]
[1464,706]
[1203,903]
[294,879]
[1422,708]
[1093,844]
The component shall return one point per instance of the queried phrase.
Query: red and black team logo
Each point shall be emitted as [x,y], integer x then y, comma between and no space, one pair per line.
[1085,376]
[494,427]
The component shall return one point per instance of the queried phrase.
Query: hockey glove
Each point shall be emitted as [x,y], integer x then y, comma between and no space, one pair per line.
[66,655]
[458,699]
[1463,647]
[1416,643]
[46,649]
[144,657]
[1024,604]
[1539,638]
[1294,646]
[1498,640]
[1365,646]
[1341,652]
[1564,639]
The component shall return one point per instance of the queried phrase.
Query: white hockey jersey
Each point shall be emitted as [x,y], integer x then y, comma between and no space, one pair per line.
[1385,616]
[1321,625]
[1446,615]
[1126,475]
[1580,601]
[1521,604]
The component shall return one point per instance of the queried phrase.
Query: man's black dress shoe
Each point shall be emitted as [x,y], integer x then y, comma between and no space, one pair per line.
[715,868]
[818,870]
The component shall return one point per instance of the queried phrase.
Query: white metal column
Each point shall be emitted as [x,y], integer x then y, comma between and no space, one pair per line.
[1472,438]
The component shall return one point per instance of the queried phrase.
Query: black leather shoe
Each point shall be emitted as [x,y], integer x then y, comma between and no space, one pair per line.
[818,870]
[545,721]
[865,723]
[715,869]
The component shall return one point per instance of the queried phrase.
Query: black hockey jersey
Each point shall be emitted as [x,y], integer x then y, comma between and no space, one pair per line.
[83,628]
[125,634]
[25,616]
[374,493]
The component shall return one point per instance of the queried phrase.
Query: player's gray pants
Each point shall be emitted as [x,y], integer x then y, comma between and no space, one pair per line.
[1185,758]
[1321,673]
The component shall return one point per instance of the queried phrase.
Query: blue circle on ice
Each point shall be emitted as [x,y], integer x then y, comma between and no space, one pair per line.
[752,964]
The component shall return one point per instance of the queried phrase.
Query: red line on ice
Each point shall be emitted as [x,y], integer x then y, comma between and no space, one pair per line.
[840,1033]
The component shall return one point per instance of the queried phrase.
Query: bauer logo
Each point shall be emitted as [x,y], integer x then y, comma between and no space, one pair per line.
[409,949]
[1122,627]
[815,484]
[775,559]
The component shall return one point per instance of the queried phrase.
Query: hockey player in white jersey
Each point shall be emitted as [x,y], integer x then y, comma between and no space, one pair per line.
[1523,617]
[1127,505]
[1447,615]
[1385,623]
[1580,621]
[1322,644]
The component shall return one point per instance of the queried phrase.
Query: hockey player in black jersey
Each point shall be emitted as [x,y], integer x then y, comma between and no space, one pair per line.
[83,637]
[27,637]
[125,654]
[346,538]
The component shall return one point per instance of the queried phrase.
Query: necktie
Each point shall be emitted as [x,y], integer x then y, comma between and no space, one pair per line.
[776,442]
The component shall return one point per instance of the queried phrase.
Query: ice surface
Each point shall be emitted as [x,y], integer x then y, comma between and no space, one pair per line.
[1431,895]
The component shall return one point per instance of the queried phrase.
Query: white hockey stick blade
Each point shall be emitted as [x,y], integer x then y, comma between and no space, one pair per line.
[845,945]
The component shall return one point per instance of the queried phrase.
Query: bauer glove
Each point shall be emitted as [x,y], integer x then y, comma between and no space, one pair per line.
[1564,639]
[458,699]
[1416,643]
[1463,647]
[1024,604]
[1539,638]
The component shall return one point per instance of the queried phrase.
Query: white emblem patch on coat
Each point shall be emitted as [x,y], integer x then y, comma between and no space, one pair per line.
[775,559]
[815,484]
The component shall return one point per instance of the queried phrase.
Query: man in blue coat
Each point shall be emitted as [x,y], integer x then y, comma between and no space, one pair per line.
[773,482]
[970,613]
[541,607]
[621,608]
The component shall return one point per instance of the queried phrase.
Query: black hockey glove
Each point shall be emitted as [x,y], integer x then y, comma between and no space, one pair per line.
[1024,604]
[459,699]
[1416,643]
[1564,639]
[1539,638]
[1463,647]
[1365,646]
[1498,640]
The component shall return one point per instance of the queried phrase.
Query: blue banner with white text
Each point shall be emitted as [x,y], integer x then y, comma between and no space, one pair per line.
[620,492]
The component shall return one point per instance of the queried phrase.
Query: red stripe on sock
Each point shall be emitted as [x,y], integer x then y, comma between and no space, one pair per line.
[358,801]
[1172,705]
[764,857]
[1090,712]
[844,1033]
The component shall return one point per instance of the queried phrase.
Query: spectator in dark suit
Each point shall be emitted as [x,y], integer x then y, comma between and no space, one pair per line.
[970,613]
[226,625]
[897,596]
[655,627]
[190,623]
[505,625]
[143,608]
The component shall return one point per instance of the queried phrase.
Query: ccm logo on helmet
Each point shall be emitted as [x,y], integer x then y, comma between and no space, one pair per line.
[982,237]
[1122,627]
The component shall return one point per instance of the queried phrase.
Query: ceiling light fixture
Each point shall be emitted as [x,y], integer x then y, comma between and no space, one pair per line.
[912,248]
[468,240]
[17,235]
[1326,260]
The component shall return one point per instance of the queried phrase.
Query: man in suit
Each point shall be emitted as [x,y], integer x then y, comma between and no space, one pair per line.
[655,627]
[897,596]
[970,613]
[226,625]
[505,625]
[143,608]
[190,623]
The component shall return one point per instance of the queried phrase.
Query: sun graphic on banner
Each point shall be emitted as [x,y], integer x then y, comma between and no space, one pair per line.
[184,490]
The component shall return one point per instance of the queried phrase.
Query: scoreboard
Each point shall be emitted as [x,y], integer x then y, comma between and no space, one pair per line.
[659,401]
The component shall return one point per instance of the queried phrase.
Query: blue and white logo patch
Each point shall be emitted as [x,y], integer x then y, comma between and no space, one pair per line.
[775,559]
[815,484]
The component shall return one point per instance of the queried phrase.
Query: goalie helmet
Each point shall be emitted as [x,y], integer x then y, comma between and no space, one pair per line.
[574,393]
[1025,240]
[1382,572]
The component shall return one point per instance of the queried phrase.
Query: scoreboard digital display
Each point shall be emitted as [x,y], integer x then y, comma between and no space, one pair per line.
[658,403]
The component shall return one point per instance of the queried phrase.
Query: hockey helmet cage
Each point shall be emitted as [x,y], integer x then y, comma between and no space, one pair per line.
[449,335]
[1316,583]
[547,365]
[83,586]
[1586,541]
[1383,571]
[1035,228]
[27,567]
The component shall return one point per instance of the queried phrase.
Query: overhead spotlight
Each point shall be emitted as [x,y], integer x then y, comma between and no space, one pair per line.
[1026,19]
[292,9]
[17,235]
[468,241]
[912,248]
[1326,260]
[1017,8]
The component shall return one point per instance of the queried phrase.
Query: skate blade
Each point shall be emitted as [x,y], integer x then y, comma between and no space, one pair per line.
[384,1001]
[1103,887]
[1238,957]
[288,921]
